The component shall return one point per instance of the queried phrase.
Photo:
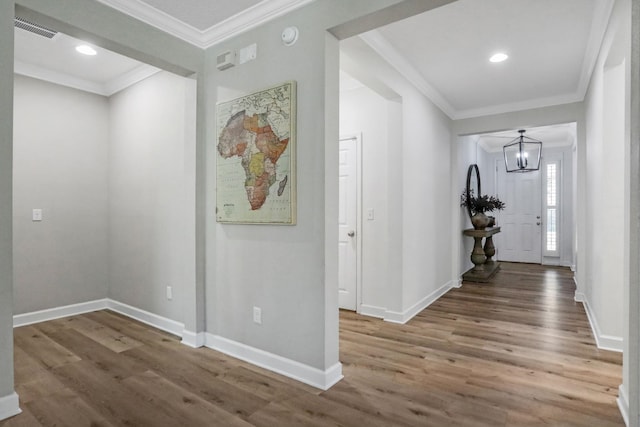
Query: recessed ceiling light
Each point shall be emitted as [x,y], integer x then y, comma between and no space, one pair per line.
[499,57]
[86,50]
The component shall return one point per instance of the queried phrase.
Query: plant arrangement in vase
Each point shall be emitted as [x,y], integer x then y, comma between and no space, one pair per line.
[478,206]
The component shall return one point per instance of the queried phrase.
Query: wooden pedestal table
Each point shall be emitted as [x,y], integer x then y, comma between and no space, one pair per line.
[484,267]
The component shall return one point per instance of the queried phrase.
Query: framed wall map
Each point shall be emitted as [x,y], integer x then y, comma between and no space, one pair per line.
[256,157]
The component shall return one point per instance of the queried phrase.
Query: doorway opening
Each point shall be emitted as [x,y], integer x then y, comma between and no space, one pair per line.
[538,223]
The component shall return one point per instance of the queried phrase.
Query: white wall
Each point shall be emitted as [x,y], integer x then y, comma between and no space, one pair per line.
[418,191]
[293,270]
[8,399]
[606,109]
[362,111]
[151,195]
[60,166]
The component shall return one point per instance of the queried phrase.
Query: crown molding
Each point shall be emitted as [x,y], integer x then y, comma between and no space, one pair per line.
[63,79]
[389,53]
[241,22]
[518,106]
[128,79]
[107,89]
[599,24]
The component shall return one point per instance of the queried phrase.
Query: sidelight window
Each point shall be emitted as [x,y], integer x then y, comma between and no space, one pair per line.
[551,206]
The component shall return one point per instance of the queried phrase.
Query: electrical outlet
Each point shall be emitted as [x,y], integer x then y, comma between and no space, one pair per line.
[257,315]
[169,293]
[36,215]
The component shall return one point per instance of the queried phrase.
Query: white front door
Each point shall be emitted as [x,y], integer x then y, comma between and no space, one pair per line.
[520,239]
[347,223]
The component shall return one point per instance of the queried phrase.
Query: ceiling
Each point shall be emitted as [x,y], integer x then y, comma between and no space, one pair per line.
[56,60]
[552,136]
[552,47]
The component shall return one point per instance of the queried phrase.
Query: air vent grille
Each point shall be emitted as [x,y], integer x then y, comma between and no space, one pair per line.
[23,24]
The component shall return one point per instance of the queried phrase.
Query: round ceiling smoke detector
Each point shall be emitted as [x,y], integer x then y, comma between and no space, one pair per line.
[290,36]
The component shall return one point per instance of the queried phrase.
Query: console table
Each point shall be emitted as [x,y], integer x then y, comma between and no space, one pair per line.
[484,267]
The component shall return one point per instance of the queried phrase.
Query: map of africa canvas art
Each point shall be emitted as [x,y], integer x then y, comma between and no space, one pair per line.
[255,167]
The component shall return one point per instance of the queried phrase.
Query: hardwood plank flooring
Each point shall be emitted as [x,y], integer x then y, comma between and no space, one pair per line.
[514,352]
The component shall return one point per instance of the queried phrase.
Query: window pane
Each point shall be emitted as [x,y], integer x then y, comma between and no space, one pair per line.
[552,179]
[552,234]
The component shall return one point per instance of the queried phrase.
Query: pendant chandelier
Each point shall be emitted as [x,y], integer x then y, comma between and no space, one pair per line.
[522,154]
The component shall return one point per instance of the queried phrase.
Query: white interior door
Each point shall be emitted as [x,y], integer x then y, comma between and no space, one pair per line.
[347,220]
[520,239]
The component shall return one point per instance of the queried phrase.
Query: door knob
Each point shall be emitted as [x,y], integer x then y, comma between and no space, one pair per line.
[351,233]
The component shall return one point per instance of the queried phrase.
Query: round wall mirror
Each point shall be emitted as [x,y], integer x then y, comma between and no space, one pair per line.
[473,185]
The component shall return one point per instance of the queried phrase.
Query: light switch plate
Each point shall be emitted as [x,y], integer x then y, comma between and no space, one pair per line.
[248,53]
[36,215]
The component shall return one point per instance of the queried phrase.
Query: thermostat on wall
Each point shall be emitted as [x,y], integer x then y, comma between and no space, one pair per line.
[226,60]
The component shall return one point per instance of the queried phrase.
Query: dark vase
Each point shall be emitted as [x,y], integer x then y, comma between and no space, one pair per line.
[492,221]
[480,221]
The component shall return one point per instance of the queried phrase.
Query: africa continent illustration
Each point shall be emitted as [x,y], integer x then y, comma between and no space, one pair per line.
[255,173]
[252,139]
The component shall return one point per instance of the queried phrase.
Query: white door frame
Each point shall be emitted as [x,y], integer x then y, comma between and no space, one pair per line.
[358,138]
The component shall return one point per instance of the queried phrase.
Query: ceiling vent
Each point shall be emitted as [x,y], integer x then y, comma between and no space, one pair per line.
[23,24]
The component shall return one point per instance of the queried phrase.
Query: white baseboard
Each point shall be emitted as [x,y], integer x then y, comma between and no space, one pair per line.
[604,342]
[281,365]
[408,314]
[373,311]
[9,406]
[623,404]
[578,296]
[193,339]
[287,367]
[163,323]
[58,312]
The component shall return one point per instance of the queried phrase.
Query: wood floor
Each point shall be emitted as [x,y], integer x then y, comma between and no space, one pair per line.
[517,352]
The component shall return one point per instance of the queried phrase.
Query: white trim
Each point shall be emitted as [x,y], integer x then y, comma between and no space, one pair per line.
[578,296]
[409,313]
[63,79]
[193,339]
[602,10]
[372,310]
[9,406]
[406,315]
[230,27]
[604,342]
[130,78]
[623,404]
[389,53]
[163,323]
[58,312]
[105,89]
[281,365]
[359,212]
[159,322]
[530,104]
